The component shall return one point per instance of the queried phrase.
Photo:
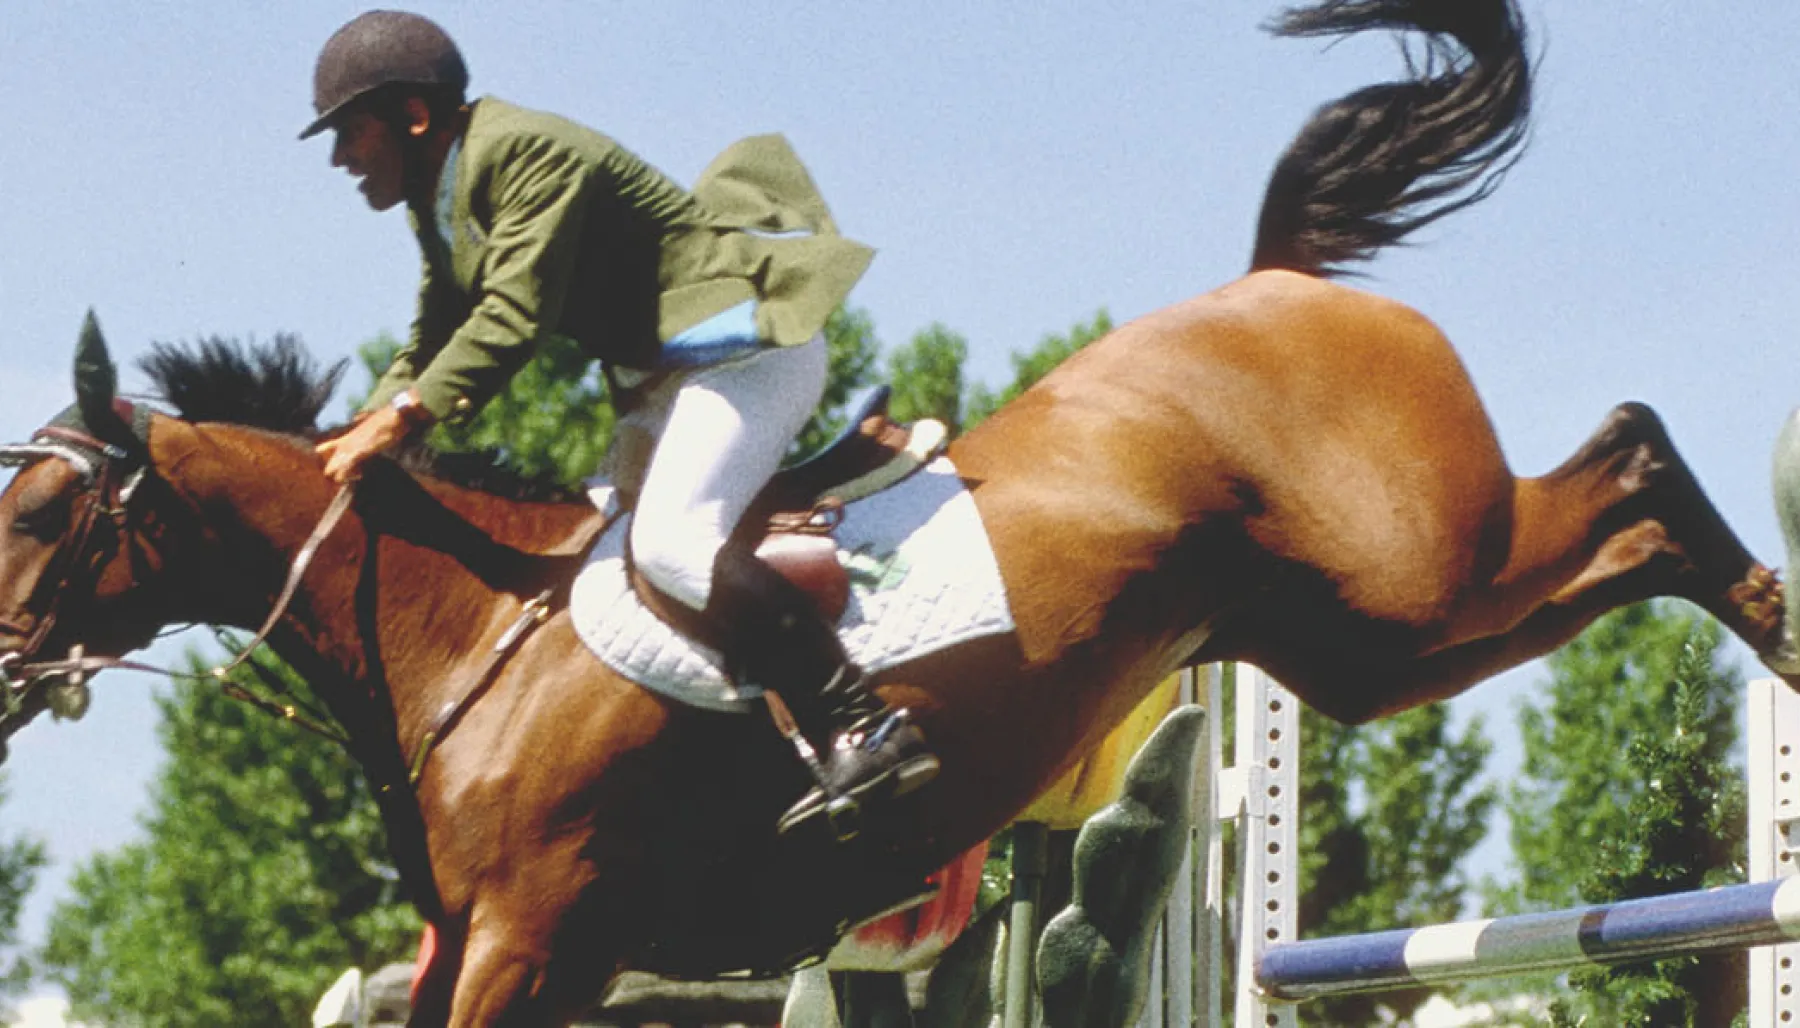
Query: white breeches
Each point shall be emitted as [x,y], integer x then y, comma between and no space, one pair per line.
[720,432]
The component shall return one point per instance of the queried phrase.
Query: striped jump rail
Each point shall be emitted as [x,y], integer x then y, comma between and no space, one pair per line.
[1729,918]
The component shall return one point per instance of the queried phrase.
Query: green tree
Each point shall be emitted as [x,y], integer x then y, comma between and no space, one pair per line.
[1646,684]
[1034,364]
[554,419]
[21,859]
[551,421]
[1388,812]
[927,377]
[850,341]
[262,874]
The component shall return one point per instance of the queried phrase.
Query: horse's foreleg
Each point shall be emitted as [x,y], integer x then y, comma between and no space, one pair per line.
[440,953]
[541,950]
[508,980]
[520,968]
[501,983]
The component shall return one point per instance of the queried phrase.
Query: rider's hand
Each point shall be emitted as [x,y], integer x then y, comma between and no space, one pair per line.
[345,455]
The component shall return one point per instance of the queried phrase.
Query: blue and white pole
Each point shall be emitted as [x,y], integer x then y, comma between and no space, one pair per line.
[1735,917]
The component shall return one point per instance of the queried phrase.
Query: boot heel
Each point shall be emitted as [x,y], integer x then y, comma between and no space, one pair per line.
[915,773]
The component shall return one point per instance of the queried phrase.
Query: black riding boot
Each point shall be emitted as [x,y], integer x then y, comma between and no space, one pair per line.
[773,637]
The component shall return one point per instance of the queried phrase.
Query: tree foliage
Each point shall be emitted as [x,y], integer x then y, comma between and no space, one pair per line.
[1388,812]
[262,873]
[21,859]
[850,341]
[1629,790]
[1034,364]
[927,377]
[551,421]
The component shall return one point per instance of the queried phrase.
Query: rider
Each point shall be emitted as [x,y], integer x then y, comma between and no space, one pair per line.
[705,308]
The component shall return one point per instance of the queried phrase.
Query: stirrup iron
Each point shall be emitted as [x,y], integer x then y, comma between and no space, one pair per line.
[843,811]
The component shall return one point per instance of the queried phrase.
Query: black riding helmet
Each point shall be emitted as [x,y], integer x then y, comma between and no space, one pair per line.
[383,48]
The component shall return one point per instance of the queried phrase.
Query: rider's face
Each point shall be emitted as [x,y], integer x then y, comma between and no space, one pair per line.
[366,147]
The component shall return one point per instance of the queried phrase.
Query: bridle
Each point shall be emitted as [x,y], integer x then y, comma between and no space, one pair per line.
[111,477]
[110,481]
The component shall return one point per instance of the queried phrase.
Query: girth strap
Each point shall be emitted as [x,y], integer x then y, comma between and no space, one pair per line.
[535,613]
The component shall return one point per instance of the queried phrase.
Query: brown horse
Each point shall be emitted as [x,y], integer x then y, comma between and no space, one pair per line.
[1285,471]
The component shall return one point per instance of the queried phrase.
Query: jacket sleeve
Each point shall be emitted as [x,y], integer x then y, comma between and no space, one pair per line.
[428,328]
[539,202]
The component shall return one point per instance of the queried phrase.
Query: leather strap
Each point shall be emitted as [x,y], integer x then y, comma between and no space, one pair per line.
[535,613]
[28,673]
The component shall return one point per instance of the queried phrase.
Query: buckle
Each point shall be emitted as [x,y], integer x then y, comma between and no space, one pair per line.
[845,815]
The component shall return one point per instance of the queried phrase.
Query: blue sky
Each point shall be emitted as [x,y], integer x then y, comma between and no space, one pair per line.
[1018,166]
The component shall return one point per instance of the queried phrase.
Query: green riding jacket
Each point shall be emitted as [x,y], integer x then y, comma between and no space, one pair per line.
[557,230]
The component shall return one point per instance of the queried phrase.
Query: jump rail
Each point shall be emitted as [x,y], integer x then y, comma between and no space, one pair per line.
[1764,914]
[1734,917]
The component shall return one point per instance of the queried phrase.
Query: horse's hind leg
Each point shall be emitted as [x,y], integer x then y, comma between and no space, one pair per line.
[1658,536]
[1623,520]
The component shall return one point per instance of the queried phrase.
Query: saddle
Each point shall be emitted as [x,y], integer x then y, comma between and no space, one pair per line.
[790,522]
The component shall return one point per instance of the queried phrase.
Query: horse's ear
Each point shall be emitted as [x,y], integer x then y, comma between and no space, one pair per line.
[97,386]
[96,380]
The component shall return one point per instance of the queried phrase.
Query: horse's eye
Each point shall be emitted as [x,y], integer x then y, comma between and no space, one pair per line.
[43,523]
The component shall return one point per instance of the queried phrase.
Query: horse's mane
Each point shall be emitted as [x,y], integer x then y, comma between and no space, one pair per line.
[279,387]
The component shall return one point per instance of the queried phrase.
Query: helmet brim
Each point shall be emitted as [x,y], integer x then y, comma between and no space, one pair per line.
[322,122]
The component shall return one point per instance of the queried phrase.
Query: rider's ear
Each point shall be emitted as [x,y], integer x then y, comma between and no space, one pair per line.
[97,385]
[417,117]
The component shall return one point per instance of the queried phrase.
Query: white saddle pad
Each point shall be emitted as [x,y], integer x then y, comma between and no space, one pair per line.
[922,577]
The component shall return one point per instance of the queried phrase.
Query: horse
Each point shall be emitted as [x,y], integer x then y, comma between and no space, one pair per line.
[1286,471]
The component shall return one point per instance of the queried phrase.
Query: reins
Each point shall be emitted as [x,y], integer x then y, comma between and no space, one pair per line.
[17,677]
[76,668]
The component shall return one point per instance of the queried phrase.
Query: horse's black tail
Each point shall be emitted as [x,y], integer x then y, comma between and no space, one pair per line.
[1370,168]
